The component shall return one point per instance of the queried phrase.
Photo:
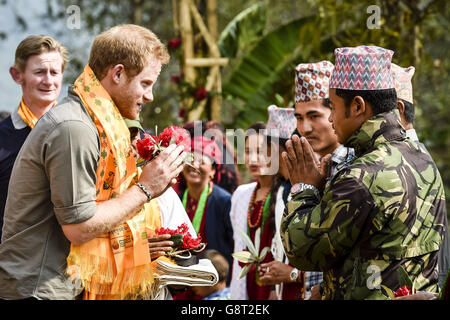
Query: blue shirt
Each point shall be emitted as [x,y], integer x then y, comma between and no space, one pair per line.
[223,294]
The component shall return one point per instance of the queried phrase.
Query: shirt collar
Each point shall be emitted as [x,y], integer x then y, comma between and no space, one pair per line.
[411,133]
[378,129]
[341,154]
[17,121]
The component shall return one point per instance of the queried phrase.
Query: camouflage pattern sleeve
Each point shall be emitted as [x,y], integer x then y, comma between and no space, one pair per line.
[318,233]
[384,211]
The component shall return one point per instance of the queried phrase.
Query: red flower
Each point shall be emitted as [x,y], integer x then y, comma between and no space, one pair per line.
[183,228]
[174,43]
[200,94]
[146,147]
[188,241]
[403,291]
[175,79]
[162,230]
[181,112]
[179,135]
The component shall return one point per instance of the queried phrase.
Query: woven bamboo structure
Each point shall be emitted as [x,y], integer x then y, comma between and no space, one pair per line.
[186,17]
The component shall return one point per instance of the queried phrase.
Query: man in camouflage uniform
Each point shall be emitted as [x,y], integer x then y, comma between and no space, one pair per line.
[384,211]
[405,105]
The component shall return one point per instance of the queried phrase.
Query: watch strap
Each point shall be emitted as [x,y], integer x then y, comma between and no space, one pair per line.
[300,186]
[144,189]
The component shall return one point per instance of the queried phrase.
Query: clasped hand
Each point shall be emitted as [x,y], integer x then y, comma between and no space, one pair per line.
[302,164]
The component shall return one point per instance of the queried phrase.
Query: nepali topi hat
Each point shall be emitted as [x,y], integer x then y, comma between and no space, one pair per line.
[312,81]
[402,81]
[281,123]
[362,68]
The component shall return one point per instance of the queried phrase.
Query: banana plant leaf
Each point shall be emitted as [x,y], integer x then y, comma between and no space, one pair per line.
[251,86]
[243,31]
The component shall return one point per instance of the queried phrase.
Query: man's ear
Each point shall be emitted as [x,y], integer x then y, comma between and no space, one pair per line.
[117,73]
[16,75]
[358,107]
[401,108]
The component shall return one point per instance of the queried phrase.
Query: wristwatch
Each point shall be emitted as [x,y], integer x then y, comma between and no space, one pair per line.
[300,186]
[294,275]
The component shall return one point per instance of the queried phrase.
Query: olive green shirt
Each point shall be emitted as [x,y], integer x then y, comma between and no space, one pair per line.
[52,184]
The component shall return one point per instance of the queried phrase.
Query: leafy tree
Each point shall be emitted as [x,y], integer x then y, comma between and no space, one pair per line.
[98,16]
[266,39]
[262,72]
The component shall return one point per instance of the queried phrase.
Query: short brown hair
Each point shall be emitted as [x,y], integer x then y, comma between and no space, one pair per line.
[36,45]
[219,262]
[127,44]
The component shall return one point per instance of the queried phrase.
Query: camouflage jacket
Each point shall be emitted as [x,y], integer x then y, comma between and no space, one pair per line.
[385,210]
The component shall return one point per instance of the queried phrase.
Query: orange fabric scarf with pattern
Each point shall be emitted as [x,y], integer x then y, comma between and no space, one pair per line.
[27,116]
[116,265]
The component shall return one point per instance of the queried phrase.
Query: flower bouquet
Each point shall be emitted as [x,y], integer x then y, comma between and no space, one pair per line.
[184,247]
[150,146]
[407,286]
[252,256]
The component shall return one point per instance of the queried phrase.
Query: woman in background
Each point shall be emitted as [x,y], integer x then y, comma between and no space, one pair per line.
[250,210]
[207,204]
[288,281]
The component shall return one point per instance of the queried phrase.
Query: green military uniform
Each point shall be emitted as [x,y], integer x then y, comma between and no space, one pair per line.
[383,211]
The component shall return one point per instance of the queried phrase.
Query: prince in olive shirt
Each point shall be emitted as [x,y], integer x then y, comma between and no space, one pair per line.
[52,198]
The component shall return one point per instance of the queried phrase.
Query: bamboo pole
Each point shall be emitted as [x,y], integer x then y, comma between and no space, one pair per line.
[187,39]
[207,62]
[204,30]
[188,11]
[210,81]
[212,19]
[216,102]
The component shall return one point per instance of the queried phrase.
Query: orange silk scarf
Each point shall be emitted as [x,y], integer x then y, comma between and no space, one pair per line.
[27,116]
[116,265]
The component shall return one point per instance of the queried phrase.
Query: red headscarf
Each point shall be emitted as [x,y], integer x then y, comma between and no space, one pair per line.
[208,147]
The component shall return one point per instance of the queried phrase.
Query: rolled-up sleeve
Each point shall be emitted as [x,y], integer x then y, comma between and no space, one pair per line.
[70,156]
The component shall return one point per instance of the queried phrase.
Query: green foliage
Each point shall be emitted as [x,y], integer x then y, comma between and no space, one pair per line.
[98,16]
[255,82]
[417,31]
[244,30]
[266,39]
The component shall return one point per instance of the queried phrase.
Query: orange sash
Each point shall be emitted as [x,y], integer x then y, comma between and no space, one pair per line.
[116,265]
[27,116]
